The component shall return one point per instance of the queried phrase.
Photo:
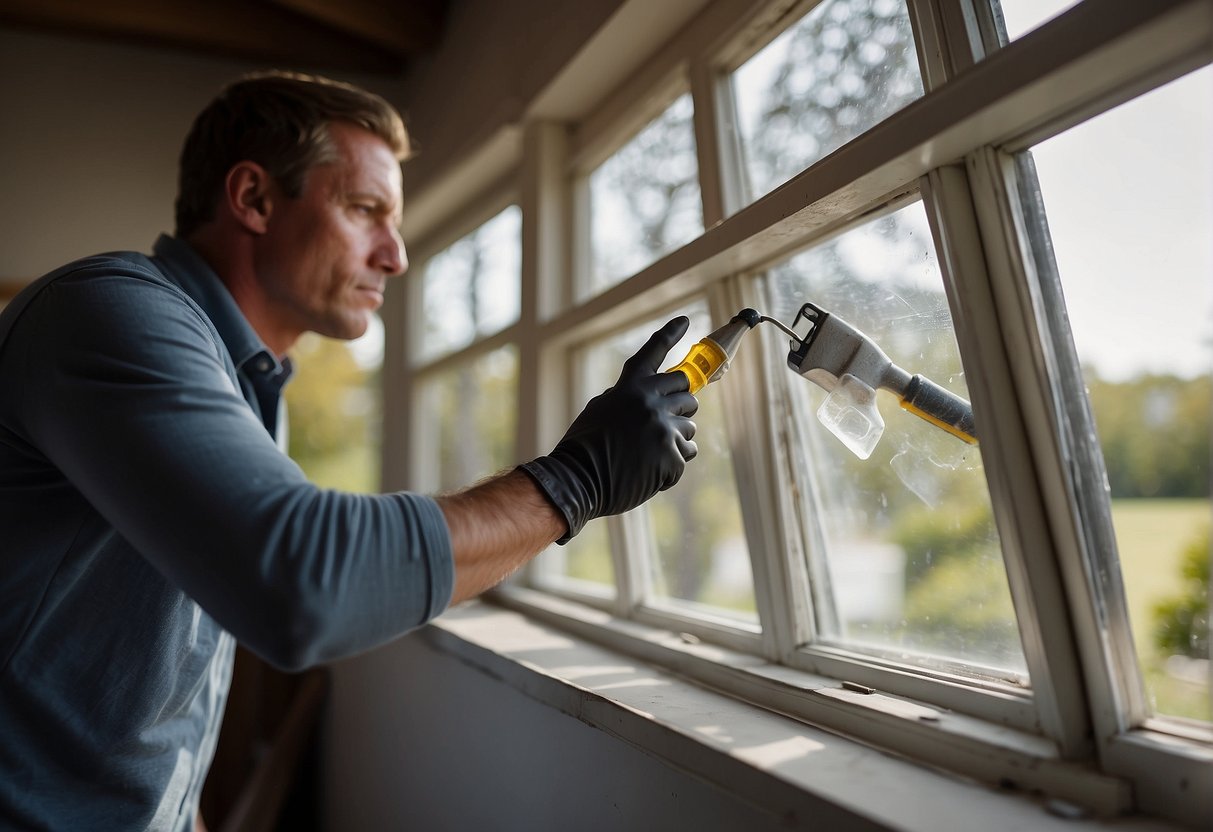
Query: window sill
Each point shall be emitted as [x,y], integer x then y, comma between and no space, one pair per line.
[764,758]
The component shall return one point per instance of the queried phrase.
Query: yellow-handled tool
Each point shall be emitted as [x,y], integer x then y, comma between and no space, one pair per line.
[709,359]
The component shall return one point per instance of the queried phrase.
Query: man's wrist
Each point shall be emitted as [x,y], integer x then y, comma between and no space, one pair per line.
[553,485]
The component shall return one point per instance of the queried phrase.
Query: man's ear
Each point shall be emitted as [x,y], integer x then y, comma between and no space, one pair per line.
[248,195]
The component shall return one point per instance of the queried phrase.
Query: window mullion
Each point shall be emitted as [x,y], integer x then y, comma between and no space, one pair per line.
[747,397]
[545,202]
[399,383]
[632,558]
[546,220]
[720,163]
[982,271]
[708,143]
[1118,695]
[951,36]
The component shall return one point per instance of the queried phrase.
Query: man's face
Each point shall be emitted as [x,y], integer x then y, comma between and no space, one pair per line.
[327,255]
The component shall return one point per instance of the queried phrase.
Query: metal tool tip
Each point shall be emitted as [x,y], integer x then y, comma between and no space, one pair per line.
[750,316]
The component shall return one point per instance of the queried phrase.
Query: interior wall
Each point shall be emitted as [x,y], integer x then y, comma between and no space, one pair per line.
[417,739]
[89,140]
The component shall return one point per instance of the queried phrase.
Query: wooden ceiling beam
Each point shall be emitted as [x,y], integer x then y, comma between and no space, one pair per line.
[402,27]
[264,32]
[9,287]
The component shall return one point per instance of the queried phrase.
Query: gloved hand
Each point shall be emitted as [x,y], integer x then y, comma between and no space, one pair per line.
[628,443]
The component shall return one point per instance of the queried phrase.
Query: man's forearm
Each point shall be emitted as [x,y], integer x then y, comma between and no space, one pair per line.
[496,527]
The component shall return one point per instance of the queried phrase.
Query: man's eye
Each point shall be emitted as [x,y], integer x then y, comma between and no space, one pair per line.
[364,209]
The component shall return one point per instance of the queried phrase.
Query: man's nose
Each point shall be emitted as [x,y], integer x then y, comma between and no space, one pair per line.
[390,256]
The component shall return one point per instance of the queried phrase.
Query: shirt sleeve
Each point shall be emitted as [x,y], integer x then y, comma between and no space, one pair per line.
[128,394]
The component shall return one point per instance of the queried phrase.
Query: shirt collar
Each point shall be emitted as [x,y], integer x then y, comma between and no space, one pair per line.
[185,267]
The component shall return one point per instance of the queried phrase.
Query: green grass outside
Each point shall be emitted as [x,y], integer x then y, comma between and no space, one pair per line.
[1151,536]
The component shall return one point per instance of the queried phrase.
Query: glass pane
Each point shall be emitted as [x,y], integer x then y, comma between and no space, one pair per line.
[468,417]
[471,289]
[584,562]
[699,553]
[1022,16]
[906,556]
[587,557]
[1129,200]
[335,406]
[843,68]
[644,200]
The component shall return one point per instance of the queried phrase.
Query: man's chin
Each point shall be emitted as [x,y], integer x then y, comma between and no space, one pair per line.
[347,329]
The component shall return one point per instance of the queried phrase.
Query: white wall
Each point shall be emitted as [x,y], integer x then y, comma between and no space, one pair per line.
[89,138]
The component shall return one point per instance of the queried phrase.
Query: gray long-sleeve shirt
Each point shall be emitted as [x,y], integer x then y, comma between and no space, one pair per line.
[146,513]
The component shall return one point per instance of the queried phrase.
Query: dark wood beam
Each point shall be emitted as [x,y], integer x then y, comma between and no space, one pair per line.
[9,287]
[401,27]
[263,32]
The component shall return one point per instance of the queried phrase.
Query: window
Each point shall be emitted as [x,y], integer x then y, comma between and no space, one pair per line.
[912,563]
[1150,391]
[335,411]
[1024,221]
[643,201]
[466,392]
[690,553]
[470,412]
[470,289]
[1023,16]
[845,66]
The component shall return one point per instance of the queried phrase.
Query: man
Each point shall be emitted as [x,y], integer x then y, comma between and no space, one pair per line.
[148,516]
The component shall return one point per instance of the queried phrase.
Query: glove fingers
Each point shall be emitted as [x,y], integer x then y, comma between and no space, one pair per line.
[684,427]
[686,445]
[682,404]
[668,384]
[687,448]
[648,359]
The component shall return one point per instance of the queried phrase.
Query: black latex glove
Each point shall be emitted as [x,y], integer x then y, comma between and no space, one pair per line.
[629,443]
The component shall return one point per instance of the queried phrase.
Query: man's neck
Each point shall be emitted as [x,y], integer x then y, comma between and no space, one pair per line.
[231,257]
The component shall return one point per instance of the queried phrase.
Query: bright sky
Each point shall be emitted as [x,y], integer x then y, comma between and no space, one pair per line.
[1129,197]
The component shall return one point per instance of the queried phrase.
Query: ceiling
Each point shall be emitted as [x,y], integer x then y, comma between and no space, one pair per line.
[378,36]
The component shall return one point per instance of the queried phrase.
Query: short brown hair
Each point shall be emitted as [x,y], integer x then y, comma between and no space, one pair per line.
[280,121]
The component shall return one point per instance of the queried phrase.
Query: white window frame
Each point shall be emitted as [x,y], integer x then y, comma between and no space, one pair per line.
[1083,733]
